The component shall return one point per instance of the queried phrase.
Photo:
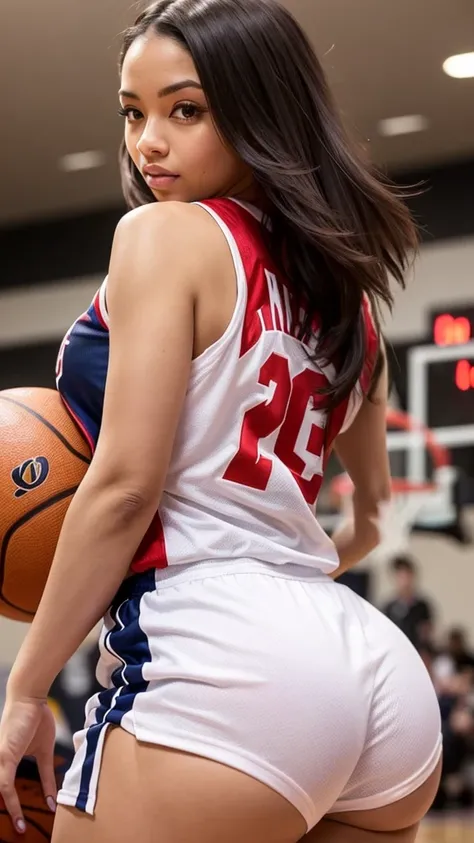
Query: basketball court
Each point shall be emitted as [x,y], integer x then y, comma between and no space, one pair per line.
[449,830]
[48,277]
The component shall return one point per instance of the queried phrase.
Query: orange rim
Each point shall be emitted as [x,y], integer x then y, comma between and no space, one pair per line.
[438,453]
[342,486]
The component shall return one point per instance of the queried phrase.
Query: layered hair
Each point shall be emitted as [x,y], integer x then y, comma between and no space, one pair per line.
[339,229]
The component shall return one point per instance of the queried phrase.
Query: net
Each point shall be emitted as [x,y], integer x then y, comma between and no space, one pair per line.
[426,504]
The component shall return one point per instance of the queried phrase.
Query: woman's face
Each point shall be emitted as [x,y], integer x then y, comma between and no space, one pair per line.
[169,132]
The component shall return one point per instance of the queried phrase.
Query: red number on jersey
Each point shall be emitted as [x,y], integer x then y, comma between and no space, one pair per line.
[287,410]
[247,467]
[305,386]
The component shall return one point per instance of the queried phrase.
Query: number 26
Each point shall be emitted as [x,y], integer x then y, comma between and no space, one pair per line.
[286,410]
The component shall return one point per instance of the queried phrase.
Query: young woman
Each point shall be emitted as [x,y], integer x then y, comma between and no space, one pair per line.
[247,697]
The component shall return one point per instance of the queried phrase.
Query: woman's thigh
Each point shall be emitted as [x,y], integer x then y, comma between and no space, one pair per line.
[156,795]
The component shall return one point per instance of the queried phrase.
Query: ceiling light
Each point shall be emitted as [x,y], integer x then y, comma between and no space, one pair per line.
[460,67]
[78,161]
[405,125]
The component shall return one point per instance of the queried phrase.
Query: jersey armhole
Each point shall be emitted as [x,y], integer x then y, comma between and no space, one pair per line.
[207,358]
[354,404]
[372,344]
[201,363]
[103,302]
[363,386]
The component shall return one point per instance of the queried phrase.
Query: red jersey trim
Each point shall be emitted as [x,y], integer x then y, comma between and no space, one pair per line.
[261,312]
[152,550]
[80,425]
[371,348]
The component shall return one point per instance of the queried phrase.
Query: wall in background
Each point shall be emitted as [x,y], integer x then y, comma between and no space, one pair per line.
[446,576]
[442,275]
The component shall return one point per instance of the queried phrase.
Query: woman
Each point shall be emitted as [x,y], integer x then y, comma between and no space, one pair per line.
[247,696]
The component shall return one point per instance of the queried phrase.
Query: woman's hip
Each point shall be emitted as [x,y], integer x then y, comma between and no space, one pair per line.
[271,671]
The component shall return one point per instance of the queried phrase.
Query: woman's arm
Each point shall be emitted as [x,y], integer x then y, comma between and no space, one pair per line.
[151,294]
[362,450]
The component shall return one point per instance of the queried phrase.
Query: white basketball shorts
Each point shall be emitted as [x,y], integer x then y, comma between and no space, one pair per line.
[273,670]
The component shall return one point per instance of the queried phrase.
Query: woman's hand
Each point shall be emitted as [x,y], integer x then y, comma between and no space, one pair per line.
[27,728]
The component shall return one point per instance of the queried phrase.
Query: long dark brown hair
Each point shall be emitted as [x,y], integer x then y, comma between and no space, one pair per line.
[339,228]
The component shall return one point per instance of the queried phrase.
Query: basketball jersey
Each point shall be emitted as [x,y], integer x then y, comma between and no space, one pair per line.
[251,446]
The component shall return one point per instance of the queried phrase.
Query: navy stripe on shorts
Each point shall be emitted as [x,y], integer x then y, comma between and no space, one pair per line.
[128,643]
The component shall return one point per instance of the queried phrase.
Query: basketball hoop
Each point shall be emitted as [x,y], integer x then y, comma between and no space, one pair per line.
[424,503]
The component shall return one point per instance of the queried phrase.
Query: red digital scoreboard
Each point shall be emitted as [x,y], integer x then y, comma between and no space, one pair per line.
[449,383]
[456,327]
[450,399]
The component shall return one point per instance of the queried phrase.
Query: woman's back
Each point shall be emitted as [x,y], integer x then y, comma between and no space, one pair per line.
[252,443]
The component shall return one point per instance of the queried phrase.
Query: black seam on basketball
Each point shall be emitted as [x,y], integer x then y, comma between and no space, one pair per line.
[36,825]
[35,808]
[50,427]
[16,526]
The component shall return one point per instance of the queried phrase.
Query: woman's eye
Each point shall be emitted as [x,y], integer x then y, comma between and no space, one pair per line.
[189,111]
[131,114]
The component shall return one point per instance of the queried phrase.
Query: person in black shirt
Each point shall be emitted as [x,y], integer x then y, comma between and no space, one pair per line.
[458,650]
[412,613]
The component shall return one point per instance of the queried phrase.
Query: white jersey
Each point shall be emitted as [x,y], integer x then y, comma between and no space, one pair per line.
[278,672]
[250,449]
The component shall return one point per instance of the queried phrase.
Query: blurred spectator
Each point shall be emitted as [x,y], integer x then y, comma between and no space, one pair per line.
[411,612]
[453,675]
[455,657]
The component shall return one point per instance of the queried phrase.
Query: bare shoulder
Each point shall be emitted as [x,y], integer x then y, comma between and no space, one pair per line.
[168,251]
[185,229]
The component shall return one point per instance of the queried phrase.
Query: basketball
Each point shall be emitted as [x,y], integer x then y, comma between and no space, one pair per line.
[38,818]
[43,458]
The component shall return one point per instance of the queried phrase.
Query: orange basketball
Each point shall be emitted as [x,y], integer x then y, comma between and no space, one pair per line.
[43,458]
[38,818]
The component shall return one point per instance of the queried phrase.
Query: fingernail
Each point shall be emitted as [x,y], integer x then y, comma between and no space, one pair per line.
[21,826]
[51,804]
